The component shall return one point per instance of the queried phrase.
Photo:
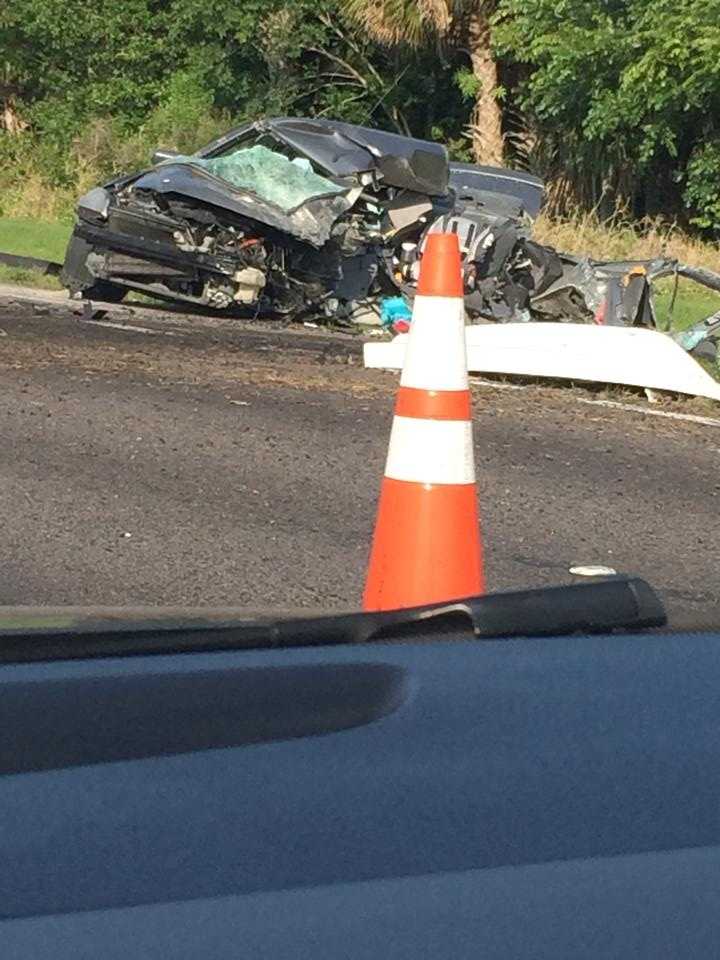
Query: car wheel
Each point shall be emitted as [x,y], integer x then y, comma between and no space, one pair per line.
[79,280]
[103,290]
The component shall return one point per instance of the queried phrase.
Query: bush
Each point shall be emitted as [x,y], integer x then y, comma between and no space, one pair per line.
[702,185]
[41,177]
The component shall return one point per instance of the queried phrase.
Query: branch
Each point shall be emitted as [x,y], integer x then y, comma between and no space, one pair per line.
[340,79]
[394,113]
[399,120]
[345,102]
[341,63]
[350,42]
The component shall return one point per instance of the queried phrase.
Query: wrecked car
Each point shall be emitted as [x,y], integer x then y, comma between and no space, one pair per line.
[290,216]
[620,293]
[297,217]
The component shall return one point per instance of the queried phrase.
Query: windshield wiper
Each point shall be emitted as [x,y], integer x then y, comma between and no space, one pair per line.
[627,603]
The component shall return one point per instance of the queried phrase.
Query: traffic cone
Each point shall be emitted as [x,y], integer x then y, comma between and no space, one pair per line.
[426,548]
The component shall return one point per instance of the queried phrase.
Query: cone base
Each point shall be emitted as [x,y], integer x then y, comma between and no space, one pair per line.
[426,547]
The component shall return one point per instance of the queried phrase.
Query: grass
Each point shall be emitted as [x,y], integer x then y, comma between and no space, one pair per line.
[692,304]
[27,237]
[45,240]
[618,239]
[19,276]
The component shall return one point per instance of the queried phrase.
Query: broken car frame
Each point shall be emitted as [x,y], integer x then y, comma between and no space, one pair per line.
[298,218]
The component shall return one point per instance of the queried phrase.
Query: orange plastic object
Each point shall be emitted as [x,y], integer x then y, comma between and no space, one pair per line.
[426,547]
[440,267]
[433,404]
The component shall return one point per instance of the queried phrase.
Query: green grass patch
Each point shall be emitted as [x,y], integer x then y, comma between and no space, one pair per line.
[693,303]
[18,276]
[34,238]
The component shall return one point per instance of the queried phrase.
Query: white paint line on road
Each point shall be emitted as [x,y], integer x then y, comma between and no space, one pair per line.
[497,385]
[613,404]
[12,292]
[668,414]
[130,326]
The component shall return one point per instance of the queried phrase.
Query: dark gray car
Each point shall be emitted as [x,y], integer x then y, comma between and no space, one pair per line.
[286,216]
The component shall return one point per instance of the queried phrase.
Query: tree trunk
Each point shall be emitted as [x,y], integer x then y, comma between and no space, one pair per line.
[486,119]
[10,120]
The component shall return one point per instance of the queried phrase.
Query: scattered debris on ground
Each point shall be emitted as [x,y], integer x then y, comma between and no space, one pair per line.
[569,351]
[325,223]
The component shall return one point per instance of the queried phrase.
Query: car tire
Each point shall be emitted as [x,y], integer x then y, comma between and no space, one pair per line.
[80,281]
[104,290]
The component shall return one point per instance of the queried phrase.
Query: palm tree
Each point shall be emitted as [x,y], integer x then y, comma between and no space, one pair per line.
[465,24]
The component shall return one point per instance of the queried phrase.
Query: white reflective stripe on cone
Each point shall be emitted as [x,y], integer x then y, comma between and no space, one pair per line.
[436,358]
[431,451]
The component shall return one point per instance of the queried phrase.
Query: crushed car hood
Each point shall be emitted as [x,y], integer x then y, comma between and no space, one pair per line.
[346,150]
[311,221]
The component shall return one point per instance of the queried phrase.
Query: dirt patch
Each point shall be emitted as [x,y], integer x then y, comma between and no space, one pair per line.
[164,360]
[41,337]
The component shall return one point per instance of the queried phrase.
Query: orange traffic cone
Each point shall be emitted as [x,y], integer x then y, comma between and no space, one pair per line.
[426,547]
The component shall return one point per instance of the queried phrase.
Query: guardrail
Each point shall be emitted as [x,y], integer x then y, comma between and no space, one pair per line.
[47,267]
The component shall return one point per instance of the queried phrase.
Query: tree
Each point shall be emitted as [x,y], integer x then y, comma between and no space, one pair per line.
[99,84]
[625,95]
[462,24]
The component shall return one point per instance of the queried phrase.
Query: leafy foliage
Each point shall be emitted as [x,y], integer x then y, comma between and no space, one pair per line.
[617,100]
[702,185]
[100,81]
[624,94]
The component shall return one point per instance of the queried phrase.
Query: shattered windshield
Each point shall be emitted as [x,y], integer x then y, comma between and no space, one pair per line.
[268,174]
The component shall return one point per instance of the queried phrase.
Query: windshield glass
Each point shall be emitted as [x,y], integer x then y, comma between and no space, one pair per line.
[268,174]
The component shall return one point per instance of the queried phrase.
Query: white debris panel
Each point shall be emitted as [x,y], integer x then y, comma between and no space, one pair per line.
[632,356]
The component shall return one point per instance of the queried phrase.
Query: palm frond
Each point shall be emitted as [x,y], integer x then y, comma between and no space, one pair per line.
[401,21]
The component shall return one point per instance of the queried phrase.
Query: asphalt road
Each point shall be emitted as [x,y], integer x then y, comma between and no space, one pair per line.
[189,467]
